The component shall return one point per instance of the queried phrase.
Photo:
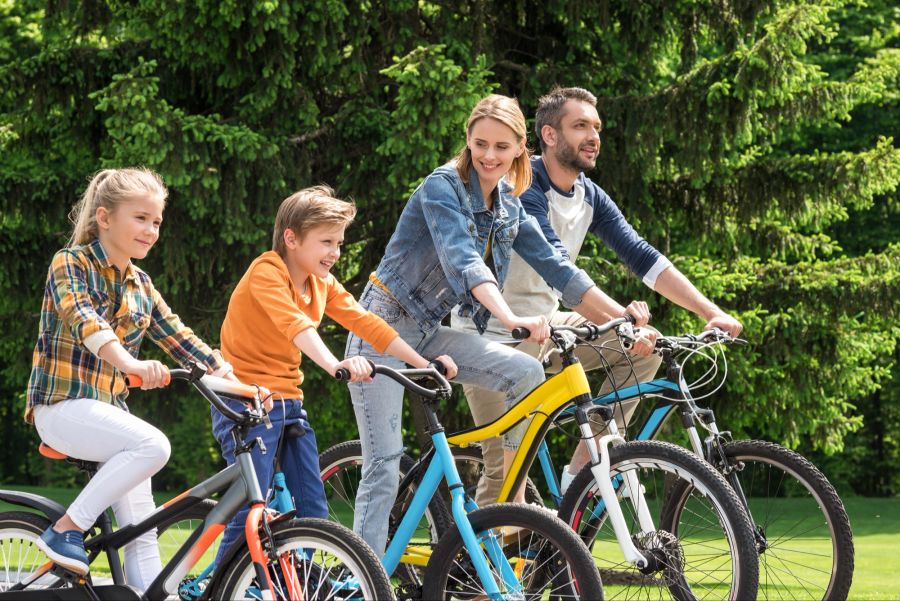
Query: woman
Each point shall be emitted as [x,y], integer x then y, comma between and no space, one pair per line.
[452,247]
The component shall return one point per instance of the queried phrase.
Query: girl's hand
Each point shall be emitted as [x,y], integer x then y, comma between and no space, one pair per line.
[360,369]
[640,311]
[537,325]
[449,365]
[153,374]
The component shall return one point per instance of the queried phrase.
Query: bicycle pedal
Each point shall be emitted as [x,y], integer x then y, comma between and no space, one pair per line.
[70,576]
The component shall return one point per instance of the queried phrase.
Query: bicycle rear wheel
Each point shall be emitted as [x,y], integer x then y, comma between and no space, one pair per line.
[548,559]
[706,551]
[803,532]
[330,562]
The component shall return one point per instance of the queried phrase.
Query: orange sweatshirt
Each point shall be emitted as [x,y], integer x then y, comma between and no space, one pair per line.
[266,312]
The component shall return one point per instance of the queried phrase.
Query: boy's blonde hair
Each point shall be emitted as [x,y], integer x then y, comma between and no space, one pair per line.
[309,208]
[108,189]
[506,110]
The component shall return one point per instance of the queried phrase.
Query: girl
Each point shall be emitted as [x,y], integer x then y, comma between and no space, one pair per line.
[97,308]
[452,246]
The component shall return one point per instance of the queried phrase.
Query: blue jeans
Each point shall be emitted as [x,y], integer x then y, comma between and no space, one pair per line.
[299,462]
[378,404]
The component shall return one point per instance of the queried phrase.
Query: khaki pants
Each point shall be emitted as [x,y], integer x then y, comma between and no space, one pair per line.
[487,405]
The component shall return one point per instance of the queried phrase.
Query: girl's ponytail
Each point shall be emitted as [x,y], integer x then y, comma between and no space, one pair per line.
[107,189]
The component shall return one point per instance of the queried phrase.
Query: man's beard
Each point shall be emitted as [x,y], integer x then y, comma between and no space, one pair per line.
[568,156]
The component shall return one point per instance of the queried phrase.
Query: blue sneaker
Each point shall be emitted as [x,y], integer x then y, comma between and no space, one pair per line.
[66,549]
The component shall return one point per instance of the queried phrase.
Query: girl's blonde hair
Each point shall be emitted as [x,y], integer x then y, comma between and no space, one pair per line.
[307,209]
[108,189]
[506,110]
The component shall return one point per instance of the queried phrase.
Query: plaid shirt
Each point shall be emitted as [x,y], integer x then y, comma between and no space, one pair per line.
[88,302]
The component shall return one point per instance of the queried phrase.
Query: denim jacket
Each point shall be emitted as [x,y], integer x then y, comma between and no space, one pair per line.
[435,256]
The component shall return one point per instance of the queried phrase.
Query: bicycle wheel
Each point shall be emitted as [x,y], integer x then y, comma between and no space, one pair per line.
[20,557]
[331,562]
[803,532]
[706,551]
[341,469]
[470,464]
[548,559]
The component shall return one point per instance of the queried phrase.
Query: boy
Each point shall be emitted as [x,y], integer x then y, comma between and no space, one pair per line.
[271,322]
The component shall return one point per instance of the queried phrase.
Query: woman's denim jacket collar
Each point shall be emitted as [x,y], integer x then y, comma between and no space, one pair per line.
[435,256]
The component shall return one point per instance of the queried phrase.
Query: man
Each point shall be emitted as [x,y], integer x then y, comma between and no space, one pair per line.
[568,205]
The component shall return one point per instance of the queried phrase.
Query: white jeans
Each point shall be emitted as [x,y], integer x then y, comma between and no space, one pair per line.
[129,451]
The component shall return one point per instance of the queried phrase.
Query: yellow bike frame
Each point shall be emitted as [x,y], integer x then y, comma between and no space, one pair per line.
[540,406]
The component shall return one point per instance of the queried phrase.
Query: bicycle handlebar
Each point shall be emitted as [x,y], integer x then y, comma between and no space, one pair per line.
[435,371]
[587,332]
[208,386]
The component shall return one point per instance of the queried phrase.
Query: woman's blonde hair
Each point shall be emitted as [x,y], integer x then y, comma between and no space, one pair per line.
[506,110]
[309,208]
[108,189]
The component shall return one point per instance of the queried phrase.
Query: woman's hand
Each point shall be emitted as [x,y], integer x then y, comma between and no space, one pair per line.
[360,369]
[153,374]
[537,325]
[644,342]
[450,365]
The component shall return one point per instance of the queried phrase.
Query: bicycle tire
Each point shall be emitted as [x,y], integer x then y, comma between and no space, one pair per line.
[341,470]
[792,561]
[21,529]
[543,550]
[18,532]
[470,465]
[331,561]
[709,553]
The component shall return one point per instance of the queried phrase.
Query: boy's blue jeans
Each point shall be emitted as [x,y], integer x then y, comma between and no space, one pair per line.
[299,462]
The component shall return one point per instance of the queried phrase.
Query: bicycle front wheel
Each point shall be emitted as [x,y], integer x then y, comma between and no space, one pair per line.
[803,532]
[330,561]
[546,557]
[20,557]
[707,551]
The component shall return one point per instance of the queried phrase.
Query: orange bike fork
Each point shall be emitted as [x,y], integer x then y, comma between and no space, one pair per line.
[258,556]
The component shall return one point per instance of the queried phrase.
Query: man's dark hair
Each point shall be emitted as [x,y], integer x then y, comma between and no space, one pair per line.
[550,108]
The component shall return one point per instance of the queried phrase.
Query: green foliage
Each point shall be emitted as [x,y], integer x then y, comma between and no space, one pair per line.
[748,140]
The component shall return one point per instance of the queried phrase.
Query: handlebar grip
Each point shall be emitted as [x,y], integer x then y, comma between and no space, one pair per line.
[342,374]
[630,318]
[439,366]
[521,333]
[135,381]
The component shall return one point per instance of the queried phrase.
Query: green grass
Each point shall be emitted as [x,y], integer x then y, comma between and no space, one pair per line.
[876,530]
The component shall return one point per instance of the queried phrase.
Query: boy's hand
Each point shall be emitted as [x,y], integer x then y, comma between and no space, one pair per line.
[360,369]
[449,365]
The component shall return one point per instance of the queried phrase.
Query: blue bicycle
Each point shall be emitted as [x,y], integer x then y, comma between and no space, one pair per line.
[504,551]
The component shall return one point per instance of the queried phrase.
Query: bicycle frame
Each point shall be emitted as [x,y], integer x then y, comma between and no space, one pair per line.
[541,407]
[240,486]
[441,466]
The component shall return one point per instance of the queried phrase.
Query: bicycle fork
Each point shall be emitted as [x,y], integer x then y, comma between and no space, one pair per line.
[600,467]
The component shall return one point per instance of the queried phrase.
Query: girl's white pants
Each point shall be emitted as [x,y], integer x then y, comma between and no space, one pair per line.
[129,451]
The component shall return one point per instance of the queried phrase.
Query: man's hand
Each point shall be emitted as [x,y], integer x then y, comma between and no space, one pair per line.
[640,311]
[726,323]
